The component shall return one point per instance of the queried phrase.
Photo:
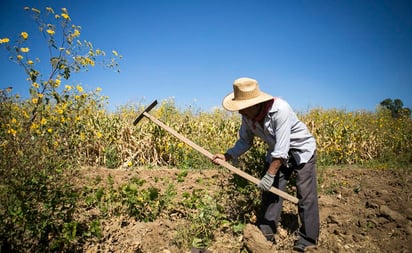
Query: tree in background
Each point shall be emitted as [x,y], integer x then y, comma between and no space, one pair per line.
[396,107]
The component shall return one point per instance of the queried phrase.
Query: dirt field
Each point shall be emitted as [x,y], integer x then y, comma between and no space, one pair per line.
[361,210]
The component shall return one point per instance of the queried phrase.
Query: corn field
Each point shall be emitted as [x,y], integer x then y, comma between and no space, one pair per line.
[81,130]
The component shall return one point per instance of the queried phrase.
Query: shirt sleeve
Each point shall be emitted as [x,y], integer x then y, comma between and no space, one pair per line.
[282,127]
[244,142]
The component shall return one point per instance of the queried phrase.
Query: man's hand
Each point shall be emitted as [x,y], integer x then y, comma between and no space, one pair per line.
[266,182]
[224,157]
[217,157]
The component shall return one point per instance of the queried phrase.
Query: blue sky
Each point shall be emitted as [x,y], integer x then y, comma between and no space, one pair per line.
[340,54]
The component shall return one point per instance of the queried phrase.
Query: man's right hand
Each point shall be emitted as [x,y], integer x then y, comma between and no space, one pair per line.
[217,157]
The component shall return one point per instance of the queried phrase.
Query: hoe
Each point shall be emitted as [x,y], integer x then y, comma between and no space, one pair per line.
[203,151]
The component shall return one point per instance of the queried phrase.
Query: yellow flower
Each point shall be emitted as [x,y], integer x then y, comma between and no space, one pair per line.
[13,120]
[40,95]
[85,60]
[24,49]
[115,53]
[79,88]
[57,83]
[50,130]
[43,121]
[129,164]
[34,100]
[99,135]
[24,35]
[4,40]
[98,89]
[76,33]
[30,62]
[34,126]
[12,131]
[68,87]
[19,57]
[36,85]
[50,31]
[65,16]
[60,111]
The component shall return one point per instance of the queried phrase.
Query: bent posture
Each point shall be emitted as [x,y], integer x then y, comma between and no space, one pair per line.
[291,149]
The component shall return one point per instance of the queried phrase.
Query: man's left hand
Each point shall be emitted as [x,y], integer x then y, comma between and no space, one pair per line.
[266,182]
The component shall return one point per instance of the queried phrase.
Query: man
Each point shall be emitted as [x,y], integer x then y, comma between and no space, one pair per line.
[291,148]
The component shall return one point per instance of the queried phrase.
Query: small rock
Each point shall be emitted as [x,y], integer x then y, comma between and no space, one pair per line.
[381,192]
[408,230]
[373,205]
[391,214]
[357,238]
[332,219]
[255,241]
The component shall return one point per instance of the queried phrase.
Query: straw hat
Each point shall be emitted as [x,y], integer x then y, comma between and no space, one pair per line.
[245,93]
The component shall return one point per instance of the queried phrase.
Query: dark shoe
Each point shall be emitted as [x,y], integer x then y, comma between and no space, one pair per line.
[301,246]
[267,231]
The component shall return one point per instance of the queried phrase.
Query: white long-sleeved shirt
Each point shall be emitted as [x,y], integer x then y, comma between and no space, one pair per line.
[282,131]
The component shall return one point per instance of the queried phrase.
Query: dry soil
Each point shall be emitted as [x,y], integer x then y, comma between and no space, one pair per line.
[361,210]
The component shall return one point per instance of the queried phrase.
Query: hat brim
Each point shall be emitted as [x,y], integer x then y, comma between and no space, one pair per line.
[230,104]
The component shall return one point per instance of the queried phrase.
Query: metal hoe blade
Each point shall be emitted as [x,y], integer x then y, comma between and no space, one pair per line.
[148,109]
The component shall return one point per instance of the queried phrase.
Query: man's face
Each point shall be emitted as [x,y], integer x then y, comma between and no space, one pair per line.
[251,112]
